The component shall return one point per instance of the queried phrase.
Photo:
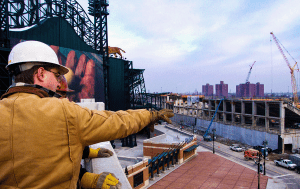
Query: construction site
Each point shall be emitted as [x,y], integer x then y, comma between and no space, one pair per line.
[248,117]
[246,120]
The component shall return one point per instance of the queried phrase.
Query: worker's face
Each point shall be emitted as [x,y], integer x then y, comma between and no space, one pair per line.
[52,79]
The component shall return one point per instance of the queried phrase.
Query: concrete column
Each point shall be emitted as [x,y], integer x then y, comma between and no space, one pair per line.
[224,110]
[217,114]
[254,112]
[242,112]
[232,112]
[282,115]
[267,113]
[200,110]
[282,145]
[209,108]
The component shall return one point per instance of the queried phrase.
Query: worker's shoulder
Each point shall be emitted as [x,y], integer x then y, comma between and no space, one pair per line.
[67,102]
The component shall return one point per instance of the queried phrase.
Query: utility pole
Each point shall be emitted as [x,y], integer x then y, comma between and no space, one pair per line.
[265,145]
[258,169]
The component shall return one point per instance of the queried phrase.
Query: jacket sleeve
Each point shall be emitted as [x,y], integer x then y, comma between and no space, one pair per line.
[97,126]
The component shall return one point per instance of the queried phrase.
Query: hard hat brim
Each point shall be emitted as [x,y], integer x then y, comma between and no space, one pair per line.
[62,69]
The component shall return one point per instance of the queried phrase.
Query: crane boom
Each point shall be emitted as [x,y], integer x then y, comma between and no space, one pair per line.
[247,80]
[207,130]
[292,69]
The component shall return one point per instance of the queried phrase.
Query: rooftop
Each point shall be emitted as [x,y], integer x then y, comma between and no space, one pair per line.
[206,170]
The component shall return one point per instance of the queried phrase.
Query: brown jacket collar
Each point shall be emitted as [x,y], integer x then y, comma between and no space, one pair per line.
[32,89]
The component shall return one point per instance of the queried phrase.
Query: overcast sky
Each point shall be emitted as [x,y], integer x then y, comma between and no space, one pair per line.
[184,44]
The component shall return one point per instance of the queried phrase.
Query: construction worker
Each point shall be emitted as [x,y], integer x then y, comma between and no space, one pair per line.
[88,152]
[42,138]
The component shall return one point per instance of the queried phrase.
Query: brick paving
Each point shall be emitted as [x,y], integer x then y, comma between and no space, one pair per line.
[208,170]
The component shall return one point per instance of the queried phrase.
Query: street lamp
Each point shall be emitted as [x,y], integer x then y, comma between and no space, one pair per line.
[213,130]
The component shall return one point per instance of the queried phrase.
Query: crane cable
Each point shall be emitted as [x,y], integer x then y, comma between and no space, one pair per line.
[271,65]
[289,65]
[295,62]
[287,52]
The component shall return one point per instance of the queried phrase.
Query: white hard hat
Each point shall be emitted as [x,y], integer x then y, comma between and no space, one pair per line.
[30,53]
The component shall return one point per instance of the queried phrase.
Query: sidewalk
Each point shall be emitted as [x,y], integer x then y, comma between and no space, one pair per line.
[208,170]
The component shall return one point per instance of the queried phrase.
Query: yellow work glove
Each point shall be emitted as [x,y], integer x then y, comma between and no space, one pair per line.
[100,152]
[164,115]
[104,180]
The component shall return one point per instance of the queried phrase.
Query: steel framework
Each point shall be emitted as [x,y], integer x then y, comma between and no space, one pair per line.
[138,96]
[25,14]
[16,14]
[98,9]
[4,34]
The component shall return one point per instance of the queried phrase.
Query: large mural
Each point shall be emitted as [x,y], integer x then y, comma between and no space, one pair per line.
[85,75]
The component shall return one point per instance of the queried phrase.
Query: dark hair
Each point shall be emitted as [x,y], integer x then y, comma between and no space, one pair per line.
[27,75]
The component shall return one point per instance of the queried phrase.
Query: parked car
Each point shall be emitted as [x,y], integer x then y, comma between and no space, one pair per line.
[285,163]
[298,169]
[296,151]
[236,148]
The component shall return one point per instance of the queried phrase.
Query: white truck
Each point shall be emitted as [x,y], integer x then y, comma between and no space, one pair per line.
[285,163]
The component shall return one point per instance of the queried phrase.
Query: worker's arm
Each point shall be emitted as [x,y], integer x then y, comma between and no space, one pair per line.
[95,126]
[98,126]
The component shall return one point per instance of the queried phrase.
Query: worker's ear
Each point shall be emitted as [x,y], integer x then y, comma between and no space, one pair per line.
[40,74]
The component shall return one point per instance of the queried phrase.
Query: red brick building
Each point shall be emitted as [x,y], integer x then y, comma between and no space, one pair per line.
[222,89]
[207,90]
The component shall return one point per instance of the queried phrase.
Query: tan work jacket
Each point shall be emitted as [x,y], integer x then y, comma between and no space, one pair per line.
[42,139]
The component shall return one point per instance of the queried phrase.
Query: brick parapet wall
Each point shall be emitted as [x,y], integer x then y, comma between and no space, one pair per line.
[137,168]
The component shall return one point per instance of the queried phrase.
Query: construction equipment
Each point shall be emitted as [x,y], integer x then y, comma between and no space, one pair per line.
[207,137]
[247,80]
[292,69]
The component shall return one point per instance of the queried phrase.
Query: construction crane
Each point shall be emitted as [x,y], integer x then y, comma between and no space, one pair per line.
[292,69]
[207,137]
[247,80]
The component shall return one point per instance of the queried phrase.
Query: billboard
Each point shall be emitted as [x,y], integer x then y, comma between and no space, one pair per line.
[85,75]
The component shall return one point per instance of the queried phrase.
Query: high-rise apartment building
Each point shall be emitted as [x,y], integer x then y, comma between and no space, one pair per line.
[260,92]
[207,90]
[250,90]
[222,89]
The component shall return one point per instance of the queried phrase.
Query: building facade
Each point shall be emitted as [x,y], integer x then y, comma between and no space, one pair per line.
[208,90]
[222,89]
[250,90]
[260,90]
